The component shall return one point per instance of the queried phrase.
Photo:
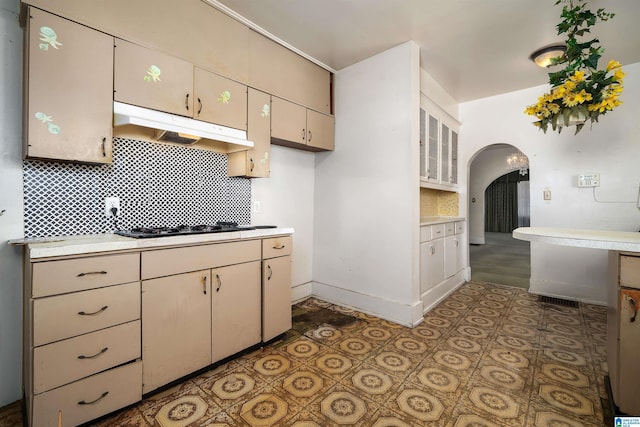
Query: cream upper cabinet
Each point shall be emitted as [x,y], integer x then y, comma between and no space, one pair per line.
[235,309]
[68,90]
[152,79]
[299,127]
[280,71]
[438,151]
[255,163]
[219,100]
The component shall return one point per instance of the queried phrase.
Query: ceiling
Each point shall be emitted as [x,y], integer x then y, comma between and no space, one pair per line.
[473,48]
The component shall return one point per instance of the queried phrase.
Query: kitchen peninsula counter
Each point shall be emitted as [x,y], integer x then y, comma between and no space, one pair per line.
[594,239]
[45,247]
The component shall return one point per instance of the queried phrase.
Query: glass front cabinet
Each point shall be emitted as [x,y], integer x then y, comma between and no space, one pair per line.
[438,151]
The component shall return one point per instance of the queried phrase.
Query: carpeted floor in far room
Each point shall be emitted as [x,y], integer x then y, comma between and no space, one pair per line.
[488,355]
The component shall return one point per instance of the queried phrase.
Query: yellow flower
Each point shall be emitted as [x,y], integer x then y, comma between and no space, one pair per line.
[570,85]
[530,110]
[578,76]
[570,99]
[582,96]
[618,74]
[613,64]
[554,108]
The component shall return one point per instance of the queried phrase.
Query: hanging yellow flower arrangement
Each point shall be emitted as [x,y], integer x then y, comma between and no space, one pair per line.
[579,92]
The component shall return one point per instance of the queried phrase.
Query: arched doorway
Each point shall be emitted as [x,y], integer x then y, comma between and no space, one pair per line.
[498,203]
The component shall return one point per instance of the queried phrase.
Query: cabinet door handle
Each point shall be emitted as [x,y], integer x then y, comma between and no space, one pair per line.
[251,167]
[219,283]
[456,240]
[632,302]
[186,102]
[82,402]
[433,250]
[104,147]
[304,134]
[91,273]
[100,353]
[270,272]
[94,313]
[204,285]
[278,247]
[310,136]
[199,105]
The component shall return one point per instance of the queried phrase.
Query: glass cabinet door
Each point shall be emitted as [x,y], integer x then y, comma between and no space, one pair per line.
[444,154]
[432,167]
[423,143]
[454,157]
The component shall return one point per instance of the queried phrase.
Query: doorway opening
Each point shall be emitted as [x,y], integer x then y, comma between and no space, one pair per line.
[498,204]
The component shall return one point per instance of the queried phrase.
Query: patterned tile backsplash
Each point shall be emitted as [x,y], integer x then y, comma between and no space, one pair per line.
[158,185]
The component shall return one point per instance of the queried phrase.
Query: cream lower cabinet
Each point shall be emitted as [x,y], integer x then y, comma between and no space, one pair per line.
[276,287]
[82,355]
[176,327]
[235,309]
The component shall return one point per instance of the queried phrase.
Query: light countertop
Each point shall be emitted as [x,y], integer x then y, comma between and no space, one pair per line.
[95,243]
[430,220]
[595,239]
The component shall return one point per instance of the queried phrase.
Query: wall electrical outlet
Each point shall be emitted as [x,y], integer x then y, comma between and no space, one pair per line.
[546,194]
[109,203]
[257,207]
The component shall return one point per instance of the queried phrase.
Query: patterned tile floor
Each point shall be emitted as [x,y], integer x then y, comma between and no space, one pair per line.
[488,355]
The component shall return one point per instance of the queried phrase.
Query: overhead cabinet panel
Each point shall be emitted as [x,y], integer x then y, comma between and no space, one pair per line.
[152,79]
[219,100]
[69,84]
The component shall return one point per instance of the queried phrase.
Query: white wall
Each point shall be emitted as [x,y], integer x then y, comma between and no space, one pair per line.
[11,223]
[611,148]
[366,191]
[286,200]
[485,168]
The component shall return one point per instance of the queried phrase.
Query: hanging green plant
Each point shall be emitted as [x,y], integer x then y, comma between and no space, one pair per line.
[579,92]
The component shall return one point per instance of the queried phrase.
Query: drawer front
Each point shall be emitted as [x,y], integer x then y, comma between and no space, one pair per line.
[630,271]
[437,231]
[449,228]
[425,233]
[71,275]
[65,316]
[459,227]
[276,246]
[69,360]
[83,400]
[165,262]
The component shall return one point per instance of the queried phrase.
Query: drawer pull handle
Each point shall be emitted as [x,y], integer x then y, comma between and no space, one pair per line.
[633,307]
[94,313]
[82,402]
[91,273]
[101,352]
[270,272]
[219,283]
[278,247]
[204,285]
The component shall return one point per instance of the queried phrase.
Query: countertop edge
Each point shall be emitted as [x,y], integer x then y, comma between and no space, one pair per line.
[430,220]
[593,239]
[98,243]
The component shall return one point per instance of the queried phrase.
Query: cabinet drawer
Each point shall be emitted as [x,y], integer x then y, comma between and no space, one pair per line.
[437,231]
[630,271]
[459,227]
[69,360]
[449,228]
[64,316]
[89,398]
[166,262]
[276,246]
[70,275]
[425,233]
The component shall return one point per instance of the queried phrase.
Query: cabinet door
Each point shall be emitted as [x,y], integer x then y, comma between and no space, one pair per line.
[69,85]
[320,130]
[235,309]
[423,143]
[219,100]
[255,163]
[454,158]
[276,297]
[433,264]
[176,327]
[451,258]
[628,399]
[152,79]
[288,121]
[433,171]
[444,154]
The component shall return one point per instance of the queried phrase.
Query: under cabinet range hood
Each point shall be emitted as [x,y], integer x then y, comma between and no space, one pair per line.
[178,129]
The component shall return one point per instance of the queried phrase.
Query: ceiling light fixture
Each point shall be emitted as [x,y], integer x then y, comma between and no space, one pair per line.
[543,56]
[518,161]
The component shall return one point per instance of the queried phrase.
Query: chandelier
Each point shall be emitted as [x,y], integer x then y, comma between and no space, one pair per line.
[518,161]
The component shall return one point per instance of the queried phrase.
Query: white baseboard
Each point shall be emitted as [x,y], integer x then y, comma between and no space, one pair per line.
[395,311]
[552,289]
[435,295]
[300,292]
